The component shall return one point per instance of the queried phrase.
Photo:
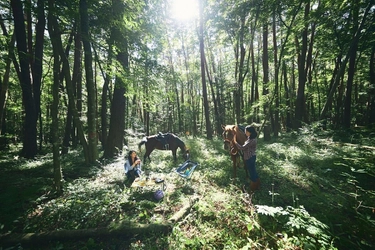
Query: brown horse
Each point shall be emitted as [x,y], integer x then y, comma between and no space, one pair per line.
[229,131]
[167,141]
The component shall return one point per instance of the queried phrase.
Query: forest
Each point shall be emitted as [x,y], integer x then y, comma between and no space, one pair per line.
[84,81]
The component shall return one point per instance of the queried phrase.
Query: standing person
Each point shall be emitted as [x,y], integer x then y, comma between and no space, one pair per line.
[249,148]
[132,166]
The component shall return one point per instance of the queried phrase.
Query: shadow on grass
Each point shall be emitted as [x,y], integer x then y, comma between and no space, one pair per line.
[25,183]
[330,179]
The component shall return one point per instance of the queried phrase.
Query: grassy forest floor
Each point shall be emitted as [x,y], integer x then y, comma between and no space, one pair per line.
[317,192]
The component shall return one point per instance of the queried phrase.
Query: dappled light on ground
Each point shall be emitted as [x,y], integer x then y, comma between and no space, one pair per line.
[315,191]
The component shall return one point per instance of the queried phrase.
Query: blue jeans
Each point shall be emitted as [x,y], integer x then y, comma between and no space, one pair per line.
[250,165]
[132,174]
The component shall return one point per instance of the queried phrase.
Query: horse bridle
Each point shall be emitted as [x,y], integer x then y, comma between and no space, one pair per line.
[232,149]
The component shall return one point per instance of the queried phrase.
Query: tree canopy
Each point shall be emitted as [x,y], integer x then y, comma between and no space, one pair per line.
[143,65]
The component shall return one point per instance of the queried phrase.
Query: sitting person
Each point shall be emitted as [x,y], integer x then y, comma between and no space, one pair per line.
[132,166]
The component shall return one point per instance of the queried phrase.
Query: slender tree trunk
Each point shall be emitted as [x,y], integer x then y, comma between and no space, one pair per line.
[203,75]
[351,71]
[29,149]
[188,127]
[105,94]
[175,88]
[55,104]
[77,91]
[69,134]
[90,86]
[276,128]
[29,33]
[267,135]
[211,85]
[342,67]
[371,92]
[38,64]
[254,80]
[302,52]
[288,122]
[55,124]
[349,85]
[4,84]
[56,41]
[240,72]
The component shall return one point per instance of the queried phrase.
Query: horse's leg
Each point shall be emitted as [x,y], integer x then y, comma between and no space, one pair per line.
[234,160]
[147,155]
[174,153]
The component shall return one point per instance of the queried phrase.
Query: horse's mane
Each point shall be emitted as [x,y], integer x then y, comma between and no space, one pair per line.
[241,136]
[181,144]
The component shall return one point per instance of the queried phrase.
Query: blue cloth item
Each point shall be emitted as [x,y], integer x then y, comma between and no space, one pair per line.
[250,165]
[186,169]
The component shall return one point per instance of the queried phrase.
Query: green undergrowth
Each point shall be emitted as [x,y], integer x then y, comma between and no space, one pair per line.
[317,192]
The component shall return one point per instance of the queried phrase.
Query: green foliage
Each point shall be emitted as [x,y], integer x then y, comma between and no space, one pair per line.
[298,228]
[316,191]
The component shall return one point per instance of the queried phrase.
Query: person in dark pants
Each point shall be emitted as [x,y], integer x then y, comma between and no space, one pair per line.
[132,166]
[249,149]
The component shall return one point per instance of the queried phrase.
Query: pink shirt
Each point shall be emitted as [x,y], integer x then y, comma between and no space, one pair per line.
[249,148]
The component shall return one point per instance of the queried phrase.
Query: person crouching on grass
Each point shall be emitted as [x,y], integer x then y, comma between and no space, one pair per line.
[249,149]
[132,166]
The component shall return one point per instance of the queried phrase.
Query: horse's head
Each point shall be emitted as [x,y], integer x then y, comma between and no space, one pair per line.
[186,154]
[228,134]
[185,151]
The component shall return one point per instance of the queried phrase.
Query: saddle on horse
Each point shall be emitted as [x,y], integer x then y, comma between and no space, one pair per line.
[163,138]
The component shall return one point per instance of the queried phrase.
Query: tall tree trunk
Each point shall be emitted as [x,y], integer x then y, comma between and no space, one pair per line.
[90,86]
[211,83]
[349,86]
[351,71]
[288,122]
[29,33]
[240,72]
[116,132]
[266,108]
[276,128]
[106,94]
[29,149]
[302,52]
[371,91]
[203,75]
[114,142]
[175,89]
[342,68]
[55,104]
[4,85]
[189,86]
[281,64]
[38,64]
[55,35]
[70,134]
[254,96]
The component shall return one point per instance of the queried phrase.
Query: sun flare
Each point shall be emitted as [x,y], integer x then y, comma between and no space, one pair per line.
[184,10]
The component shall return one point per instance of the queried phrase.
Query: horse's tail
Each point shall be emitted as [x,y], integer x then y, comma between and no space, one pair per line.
[144,140]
